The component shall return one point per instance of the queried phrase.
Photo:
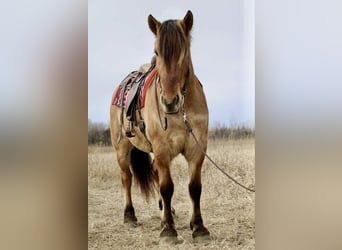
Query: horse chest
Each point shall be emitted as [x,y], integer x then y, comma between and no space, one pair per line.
[176,142]
[170,140]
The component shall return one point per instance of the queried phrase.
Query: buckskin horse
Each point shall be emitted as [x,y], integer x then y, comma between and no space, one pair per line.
[173,99]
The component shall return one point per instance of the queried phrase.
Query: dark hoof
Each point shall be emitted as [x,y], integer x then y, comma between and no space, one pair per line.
[131,221]
[129,216]
[168,236]
[200,234]
[168,232]
[132,224]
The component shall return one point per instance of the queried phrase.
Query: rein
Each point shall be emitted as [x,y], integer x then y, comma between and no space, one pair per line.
[163,125]
[189,129]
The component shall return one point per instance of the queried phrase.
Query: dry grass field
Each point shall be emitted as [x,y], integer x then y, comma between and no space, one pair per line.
[227,210]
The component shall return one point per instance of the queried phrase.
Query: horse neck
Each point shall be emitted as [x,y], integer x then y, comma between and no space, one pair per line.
[191,77]
[191,69]
[194,92]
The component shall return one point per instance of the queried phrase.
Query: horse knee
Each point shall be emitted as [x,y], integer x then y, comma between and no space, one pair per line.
[195,190]
[166,186]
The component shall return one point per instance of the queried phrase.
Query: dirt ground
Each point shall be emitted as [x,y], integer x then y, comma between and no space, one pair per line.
[227,210]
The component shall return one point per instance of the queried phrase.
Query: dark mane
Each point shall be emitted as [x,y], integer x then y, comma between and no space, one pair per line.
[172,41]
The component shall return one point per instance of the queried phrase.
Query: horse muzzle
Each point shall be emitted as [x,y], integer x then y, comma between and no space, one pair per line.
[173,106]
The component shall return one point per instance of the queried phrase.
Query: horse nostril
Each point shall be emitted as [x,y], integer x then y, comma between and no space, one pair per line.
[175,100]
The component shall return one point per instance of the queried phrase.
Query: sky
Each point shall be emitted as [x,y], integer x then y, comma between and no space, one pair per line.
[222,52]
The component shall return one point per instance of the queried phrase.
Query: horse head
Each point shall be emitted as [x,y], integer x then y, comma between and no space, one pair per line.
[173,60]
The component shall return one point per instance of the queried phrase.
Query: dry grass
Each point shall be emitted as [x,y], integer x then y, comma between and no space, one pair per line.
[227,210]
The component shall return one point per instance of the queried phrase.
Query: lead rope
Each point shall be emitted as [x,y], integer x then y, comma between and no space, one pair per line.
[189,128]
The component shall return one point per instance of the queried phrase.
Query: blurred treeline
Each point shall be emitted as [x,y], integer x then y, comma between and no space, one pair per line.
[234,132]
[99,133]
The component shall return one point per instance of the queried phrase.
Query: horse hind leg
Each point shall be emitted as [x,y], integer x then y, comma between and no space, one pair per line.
[123,158]
[123,149]
[129,212]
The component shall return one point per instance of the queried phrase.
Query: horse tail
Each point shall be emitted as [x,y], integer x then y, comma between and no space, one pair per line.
[143,172]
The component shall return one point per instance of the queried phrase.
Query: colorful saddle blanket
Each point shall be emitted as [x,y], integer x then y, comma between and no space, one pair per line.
[130,94]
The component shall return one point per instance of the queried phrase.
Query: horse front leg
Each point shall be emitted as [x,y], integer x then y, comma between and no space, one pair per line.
[156,180]
[166,189]
[199,231]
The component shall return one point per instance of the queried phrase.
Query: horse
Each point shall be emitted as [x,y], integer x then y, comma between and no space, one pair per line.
[174,98]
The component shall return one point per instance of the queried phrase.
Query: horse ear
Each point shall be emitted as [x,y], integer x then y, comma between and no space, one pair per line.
[187,22]
[153,23]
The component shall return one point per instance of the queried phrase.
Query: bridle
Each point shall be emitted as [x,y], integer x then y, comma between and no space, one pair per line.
[184,92]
